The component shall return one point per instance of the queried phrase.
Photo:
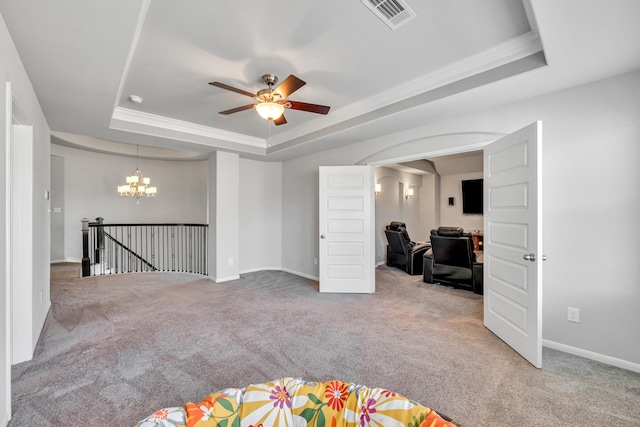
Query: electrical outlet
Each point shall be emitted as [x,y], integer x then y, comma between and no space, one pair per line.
[315,261]
[230,261]
[573,314]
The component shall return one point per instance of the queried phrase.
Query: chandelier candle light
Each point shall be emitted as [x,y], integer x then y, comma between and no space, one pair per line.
[137,185]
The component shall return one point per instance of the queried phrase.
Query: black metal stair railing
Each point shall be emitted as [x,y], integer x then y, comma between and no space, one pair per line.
[129,248]
[118,245]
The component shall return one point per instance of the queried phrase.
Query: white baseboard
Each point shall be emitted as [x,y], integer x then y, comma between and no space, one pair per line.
[297,273]
[253,270]
[381,263]
[608,360]
[68,259]
[224,279]
[286,270]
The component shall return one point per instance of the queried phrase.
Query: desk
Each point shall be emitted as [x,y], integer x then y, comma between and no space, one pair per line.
[478,244]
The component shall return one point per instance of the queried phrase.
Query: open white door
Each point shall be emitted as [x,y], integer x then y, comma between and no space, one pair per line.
[347,245]
[513,241]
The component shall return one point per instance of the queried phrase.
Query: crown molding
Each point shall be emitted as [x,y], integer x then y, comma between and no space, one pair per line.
[106,146]
[365,110]
[151,124]
[505,53]
[142,16]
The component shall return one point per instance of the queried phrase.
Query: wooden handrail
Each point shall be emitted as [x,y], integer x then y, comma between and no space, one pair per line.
[140,224]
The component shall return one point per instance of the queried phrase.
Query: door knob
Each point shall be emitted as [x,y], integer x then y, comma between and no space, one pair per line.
[530,257]
[322,236]
[544,257]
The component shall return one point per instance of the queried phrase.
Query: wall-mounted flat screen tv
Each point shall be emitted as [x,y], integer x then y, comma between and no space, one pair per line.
[472,196]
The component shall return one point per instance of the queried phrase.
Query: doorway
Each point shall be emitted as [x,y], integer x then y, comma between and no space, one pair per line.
[436,195]
[512,233]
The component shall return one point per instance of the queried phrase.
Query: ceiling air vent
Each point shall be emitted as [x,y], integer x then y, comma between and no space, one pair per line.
[392,12]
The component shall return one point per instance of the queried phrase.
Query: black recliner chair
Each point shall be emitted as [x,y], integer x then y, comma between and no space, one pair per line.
[401,251]
[452,261]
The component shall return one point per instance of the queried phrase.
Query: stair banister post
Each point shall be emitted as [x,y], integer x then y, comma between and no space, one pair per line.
[86,261]
[99,257]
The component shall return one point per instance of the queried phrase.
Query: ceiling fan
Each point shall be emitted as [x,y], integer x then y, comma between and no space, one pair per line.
[272,102]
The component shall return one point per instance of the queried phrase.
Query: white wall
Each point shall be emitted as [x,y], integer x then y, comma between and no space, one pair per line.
[57,213]
[224,216]
[260,215]
[91,180]
[590,204]
[13,72]
[430,203]
[451,186]
[300,240]
[182,197]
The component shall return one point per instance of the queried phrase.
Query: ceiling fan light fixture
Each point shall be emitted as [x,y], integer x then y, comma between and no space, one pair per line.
[271,103]
[270,110]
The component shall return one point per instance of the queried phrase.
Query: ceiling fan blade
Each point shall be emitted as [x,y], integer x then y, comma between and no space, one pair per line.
[311,108]
[288,86]
[233,89]
[280,120]
[235,110]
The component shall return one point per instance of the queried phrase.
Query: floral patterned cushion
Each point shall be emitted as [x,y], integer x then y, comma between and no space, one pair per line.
[294,402]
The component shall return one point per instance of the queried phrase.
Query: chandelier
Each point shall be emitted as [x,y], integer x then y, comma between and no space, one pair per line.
[137,185]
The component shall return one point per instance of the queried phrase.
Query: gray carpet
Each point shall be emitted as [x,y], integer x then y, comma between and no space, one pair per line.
[114,349]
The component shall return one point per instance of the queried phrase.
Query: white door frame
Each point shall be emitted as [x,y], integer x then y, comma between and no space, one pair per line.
[5,415]
[19,229]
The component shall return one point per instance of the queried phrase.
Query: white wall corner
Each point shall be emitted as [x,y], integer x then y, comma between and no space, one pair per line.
[224,279]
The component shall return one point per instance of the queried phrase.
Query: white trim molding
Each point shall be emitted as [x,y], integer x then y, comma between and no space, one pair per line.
[297,273]
[608,360]
[152,124]
[224,279]
[507,52]
[5,389]
[255,270]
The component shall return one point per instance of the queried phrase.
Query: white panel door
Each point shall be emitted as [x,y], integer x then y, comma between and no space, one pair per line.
[347,245]
[513,241]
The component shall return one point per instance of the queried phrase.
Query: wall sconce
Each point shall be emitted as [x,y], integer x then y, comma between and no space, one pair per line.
[378,189]
[408,194]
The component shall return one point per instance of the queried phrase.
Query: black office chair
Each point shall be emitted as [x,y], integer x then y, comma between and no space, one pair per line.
[402,252]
